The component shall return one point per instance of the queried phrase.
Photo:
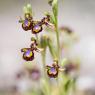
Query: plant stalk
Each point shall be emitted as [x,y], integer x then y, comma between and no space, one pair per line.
[55,13]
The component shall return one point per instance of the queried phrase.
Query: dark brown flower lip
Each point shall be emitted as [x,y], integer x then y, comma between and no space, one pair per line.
[27,27]
[37,29]
[28,55]
[53,70]
[27,22]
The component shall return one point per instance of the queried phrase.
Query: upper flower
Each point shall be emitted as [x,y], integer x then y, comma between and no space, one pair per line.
[28,23]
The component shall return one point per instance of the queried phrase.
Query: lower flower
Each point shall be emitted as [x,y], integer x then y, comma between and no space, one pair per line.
[53,70]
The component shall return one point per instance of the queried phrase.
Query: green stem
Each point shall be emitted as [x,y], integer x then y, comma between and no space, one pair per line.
[44,57]
[37,38]
[55,13]
[58,43]
[43,54]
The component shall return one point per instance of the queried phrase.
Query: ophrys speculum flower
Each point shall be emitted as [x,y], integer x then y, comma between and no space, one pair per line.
[26,25]
[53,70]
[28,54]
[36,27]
[27,22]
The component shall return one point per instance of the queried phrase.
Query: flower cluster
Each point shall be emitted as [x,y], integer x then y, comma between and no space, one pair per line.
[28,23]
[35,26]
[55,39]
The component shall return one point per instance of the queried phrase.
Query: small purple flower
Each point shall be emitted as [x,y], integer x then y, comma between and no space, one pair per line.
[37,27]
[27,24]
[28,55]
[53,70]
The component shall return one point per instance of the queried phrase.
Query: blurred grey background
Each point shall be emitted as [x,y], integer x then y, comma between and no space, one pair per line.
[79,15]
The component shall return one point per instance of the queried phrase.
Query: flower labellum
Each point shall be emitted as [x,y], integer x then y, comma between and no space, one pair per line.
[36,27]
[27,22]
[53,70]
[26,25]
[28,55]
